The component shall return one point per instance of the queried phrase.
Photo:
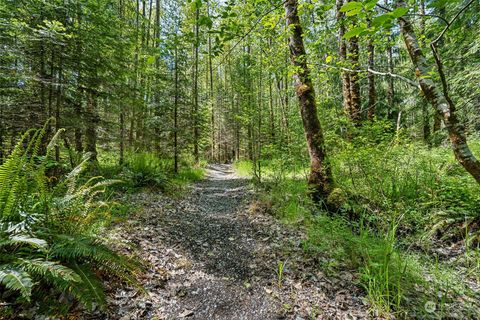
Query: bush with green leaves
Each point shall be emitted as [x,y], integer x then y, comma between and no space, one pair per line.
[48,248]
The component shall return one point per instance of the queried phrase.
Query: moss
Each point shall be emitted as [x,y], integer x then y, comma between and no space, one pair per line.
[337,198]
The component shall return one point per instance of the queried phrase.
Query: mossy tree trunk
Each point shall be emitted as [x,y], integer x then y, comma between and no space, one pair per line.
[320,179]
[444,106]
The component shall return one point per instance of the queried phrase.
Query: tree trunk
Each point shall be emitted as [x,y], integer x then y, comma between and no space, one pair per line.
[2,155]
[437,122]
[175,117]
[195,89]
[78,129]
[210,73]
[122,135]
[77,106]
[425,113]
[372,97]
[438,100]
[91,121]
[320,179]
[272,114]
[355,107]
[59,104]
[392,111]
[342,52]
[122,110]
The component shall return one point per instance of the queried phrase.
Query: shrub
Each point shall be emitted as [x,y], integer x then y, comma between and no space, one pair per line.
[147,170]
[47,245]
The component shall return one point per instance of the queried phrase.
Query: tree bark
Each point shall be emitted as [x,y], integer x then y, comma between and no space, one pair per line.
[355,107]
[425,113]
[91,121]
[210,74]
[271,114]
[372,97]
[443,106]
[342,52]
[196,134]
[59,104]
[175,117]
[320,179]
[122,109]
[392,111]
[78,129]
[1,136]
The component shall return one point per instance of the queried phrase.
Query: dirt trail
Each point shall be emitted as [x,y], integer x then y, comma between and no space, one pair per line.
[212,258]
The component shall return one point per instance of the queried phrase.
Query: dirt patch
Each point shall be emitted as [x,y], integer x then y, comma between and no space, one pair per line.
[210,258]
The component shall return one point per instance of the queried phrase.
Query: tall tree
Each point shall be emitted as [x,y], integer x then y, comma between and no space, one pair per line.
[342,52]
[320,179]
[196,46]
[439,100]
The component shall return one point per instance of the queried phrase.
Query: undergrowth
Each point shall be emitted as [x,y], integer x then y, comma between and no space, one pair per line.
[146,170]
[404,203]
[50,254]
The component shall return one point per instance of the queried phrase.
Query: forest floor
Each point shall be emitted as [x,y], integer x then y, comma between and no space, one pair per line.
[209,255]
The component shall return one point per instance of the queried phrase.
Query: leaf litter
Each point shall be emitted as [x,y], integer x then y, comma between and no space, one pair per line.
[208,257]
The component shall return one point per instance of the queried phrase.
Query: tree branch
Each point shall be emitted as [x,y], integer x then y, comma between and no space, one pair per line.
[388,74]
[434,42]
[251,29]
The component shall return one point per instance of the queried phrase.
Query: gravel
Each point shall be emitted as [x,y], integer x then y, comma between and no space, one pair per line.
[209,257]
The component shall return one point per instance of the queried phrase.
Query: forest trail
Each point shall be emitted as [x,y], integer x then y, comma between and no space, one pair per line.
[211,255]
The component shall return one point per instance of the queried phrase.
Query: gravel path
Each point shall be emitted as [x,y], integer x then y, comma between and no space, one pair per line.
[211,257]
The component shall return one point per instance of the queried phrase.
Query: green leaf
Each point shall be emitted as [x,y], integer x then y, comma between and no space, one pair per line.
[90,290]
[205,21]
[328,59]
[150,60]
[369,5]
[17,280]
[34,242]
[397,13]
[197,4]
[381,20]
[44,267]
[349,6]
[354,32]
[353,12]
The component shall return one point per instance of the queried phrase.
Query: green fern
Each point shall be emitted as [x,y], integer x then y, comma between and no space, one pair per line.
[10,175]
[70,248]
[23,240]
[17,280]
[90,290]
[50,270]
[36,254]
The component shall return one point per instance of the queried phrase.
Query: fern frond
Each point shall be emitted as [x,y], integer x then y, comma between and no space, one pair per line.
[37,141]
[17,280]
[10,173]
[54,141]
[89,291]
[71,178]
[24,240]
[82,248]
[51,269]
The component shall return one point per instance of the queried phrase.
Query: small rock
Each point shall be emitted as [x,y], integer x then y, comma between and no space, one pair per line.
[186,313]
